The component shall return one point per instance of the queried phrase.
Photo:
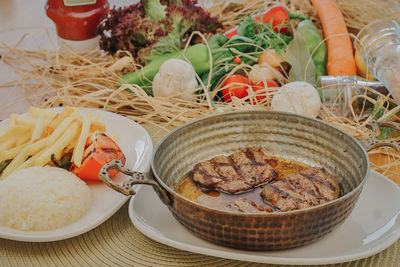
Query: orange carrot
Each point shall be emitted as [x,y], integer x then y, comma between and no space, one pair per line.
[340,51]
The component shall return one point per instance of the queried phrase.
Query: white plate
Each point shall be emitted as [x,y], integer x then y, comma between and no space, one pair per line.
[137,146]
[373,226]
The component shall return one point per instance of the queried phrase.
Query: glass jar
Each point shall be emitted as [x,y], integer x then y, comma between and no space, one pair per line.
[379,46]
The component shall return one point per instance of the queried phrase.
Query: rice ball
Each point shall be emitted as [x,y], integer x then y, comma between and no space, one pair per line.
[42,198]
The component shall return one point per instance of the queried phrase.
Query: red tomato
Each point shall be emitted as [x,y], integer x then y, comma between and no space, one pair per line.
[260,86]
[99,150]
[235,85]
[278,17]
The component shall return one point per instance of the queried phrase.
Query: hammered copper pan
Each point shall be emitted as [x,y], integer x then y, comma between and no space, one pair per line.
[285,135]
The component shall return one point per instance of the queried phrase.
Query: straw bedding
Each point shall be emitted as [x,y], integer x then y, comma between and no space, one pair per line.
[89,79]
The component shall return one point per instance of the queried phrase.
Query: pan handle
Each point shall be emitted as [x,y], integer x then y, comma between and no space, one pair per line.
[136,178]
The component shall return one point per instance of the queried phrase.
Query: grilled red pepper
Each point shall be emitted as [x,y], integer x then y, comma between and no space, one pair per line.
[278,16]
[99,150]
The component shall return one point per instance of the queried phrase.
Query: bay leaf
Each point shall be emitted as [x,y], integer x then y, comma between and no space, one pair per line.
[298,56]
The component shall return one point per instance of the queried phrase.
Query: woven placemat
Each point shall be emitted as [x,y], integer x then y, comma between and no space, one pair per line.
[118,243]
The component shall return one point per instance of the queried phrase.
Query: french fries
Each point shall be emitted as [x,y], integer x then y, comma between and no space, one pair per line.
[45,156]
[57,120]
[31,140]
[12,132]
[39,112]
[23,155]
[80,145]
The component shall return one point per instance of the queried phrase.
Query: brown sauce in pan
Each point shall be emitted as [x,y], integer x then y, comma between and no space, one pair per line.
[187,188]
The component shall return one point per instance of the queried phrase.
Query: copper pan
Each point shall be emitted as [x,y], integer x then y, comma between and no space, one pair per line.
[285,135]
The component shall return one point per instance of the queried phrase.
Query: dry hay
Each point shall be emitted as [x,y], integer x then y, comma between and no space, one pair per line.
[89,79]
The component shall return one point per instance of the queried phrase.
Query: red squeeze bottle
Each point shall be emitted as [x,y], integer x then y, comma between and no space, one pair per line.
[76,20]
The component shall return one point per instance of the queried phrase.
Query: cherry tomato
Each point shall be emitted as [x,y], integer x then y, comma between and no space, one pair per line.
[235,85]
[260,86]
[99,150]
[237,60]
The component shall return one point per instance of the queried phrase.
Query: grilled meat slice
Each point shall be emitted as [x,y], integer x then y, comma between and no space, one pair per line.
[304,189]
[241,171]
[326,184]
[248,206]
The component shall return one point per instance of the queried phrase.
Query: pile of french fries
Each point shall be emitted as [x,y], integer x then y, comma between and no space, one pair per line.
[32,140]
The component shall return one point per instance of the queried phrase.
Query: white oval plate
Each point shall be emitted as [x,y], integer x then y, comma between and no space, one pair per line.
[373,226]
[137,146]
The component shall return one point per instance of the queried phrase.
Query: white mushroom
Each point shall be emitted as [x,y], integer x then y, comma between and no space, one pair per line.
[176,78]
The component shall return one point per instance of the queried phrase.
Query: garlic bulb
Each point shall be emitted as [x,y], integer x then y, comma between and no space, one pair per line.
[297,97]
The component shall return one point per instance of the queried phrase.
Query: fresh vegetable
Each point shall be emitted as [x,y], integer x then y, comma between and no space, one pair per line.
[261,72]
[277,16]
[376,112]
[100,149]
[238,85]
[260,86]
[253,33]
[177,78]
[235,85]
[316,45]
[154,9]
[340,51]
[149,29]
[302,67]
[237,60]
[270,57]
[196,54]
[297,97]
[362,69]
[254,37]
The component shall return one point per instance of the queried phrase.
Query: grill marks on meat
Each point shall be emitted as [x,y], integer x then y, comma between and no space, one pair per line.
[327,184]
[248,206]
[241,171]
[305,189]
[245,170]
